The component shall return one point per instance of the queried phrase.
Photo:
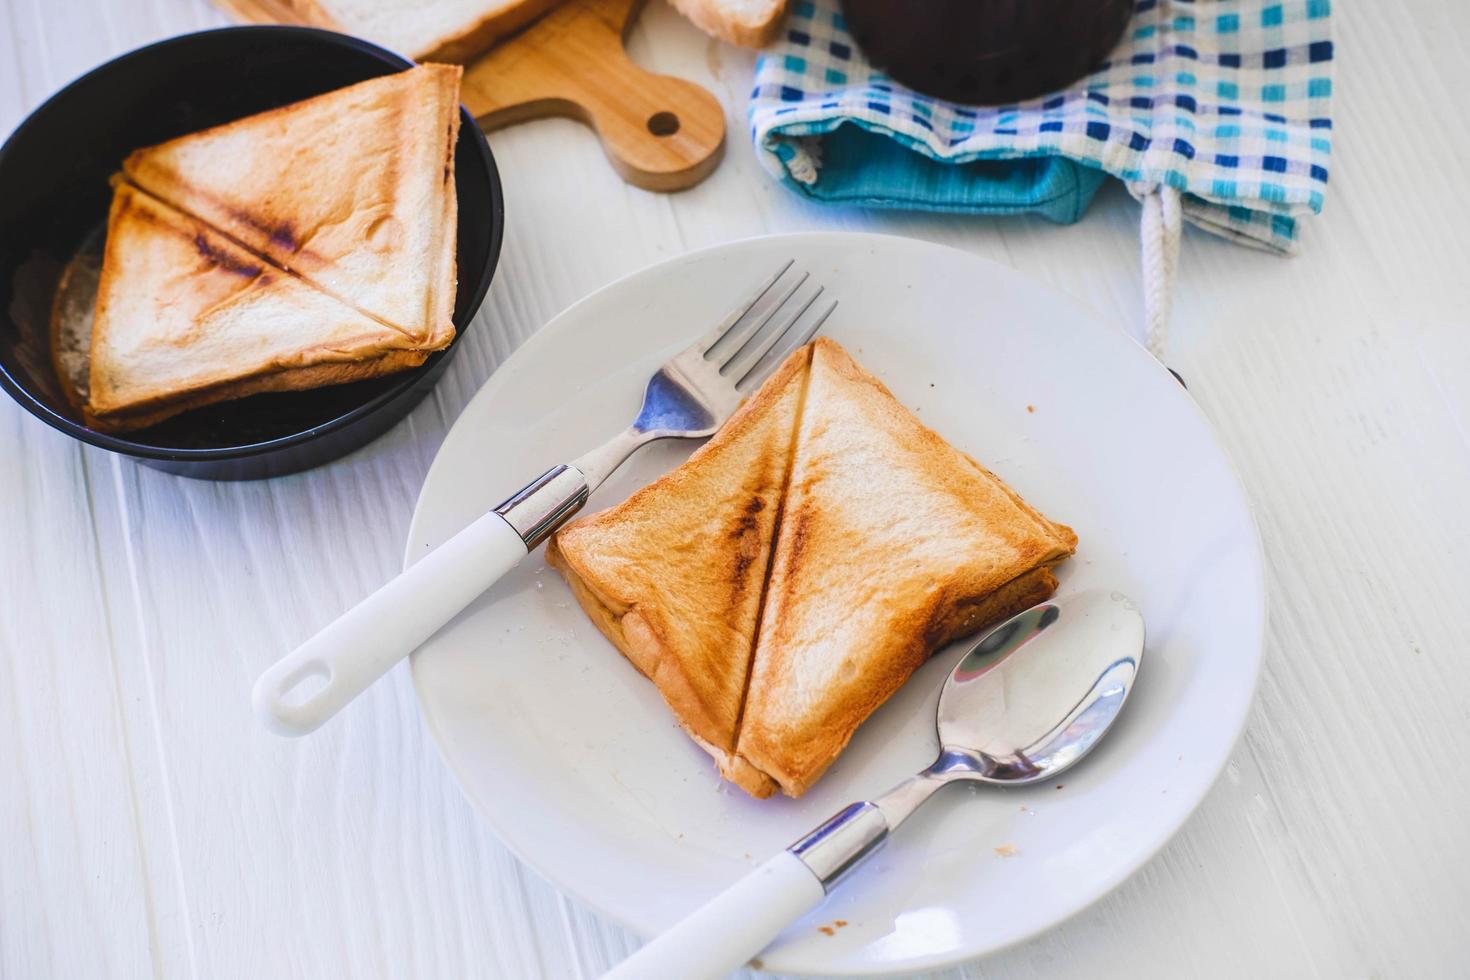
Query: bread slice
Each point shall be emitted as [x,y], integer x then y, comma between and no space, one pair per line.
[892,544]
[352,190]
[185,317]
[790,576]
[752,23]
[70,330]
[673,575]
[424,30]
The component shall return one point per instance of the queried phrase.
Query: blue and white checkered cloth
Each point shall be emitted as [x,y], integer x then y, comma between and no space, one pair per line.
[1227,101]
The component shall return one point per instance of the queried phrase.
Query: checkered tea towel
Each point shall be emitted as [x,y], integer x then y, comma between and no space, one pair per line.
[1217,112]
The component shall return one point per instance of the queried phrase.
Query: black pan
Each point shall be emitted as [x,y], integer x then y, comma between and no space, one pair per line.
[54,197]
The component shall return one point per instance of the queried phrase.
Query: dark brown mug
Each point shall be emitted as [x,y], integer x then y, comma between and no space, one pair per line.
[987,52]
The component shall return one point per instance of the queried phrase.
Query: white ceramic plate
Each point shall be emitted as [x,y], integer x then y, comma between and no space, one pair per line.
[577,764]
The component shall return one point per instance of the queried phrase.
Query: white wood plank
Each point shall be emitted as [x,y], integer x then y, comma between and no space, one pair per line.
[69,812]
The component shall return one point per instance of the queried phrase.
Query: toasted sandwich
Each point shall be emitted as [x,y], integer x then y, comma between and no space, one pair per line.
[871,542]
[352,190]
[673,575]
[186,317]
[893,543]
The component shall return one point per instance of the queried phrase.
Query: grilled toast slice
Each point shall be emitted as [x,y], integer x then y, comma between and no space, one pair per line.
[673,575]
[185,317]
[790,576]
[352,190]
[892,544]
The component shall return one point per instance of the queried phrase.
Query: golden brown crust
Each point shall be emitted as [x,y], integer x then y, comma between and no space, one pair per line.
[65,337]
[673,574]
[890,544]
[225,271]
[796,763]
[894,544]
[604,618]
[446,244]
[646,649]
[292,379]
[655,661]
[738,770]
[170,288]
[658,663]
[1064,535]
[337,189]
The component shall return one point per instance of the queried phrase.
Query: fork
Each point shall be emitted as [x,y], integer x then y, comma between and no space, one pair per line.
[689,397]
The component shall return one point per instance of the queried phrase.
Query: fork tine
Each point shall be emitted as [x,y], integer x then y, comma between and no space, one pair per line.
[807,333]
[802,336]
[707,342]
[748,367]
[747,334]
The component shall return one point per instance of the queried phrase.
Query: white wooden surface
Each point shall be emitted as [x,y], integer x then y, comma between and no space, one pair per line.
[151,827]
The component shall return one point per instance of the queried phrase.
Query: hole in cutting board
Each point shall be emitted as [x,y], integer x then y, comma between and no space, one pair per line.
[663,124]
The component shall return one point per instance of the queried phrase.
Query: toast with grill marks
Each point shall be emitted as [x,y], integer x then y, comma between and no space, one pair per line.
[185,318]
[673,576]
[894,544]
[789,577]
[352,190]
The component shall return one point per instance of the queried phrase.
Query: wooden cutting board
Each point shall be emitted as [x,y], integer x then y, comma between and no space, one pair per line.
[660,133]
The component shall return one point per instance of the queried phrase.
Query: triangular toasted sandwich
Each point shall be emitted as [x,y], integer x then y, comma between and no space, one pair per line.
[352,190]
[673,575]
[869,540]
[185,317]
[892,544]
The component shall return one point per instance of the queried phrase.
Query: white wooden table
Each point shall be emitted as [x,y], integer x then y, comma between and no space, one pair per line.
[151,827]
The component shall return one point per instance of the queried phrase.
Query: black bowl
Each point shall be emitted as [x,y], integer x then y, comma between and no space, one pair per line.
[987,52]
[54,197]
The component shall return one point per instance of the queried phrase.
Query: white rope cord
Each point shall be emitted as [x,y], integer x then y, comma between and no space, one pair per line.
[1160,235]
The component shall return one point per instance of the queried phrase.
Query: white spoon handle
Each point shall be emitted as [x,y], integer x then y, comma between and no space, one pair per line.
[743,919]
[314,681]
[732,927]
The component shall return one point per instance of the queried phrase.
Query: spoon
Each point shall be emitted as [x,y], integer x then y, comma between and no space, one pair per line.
[1027,702]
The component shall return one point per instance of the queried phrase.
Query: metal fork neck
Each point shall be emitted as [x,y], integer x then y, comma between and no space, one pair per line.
[598,464]
[547,502]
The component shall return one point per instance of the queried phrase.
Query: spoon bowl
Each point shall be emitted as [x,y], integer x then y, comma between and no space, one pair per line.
[1038,691]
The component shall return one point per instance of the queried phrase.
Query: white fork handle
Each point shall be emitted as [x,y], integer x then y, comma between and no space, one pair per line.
[732,927]
[340,662]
